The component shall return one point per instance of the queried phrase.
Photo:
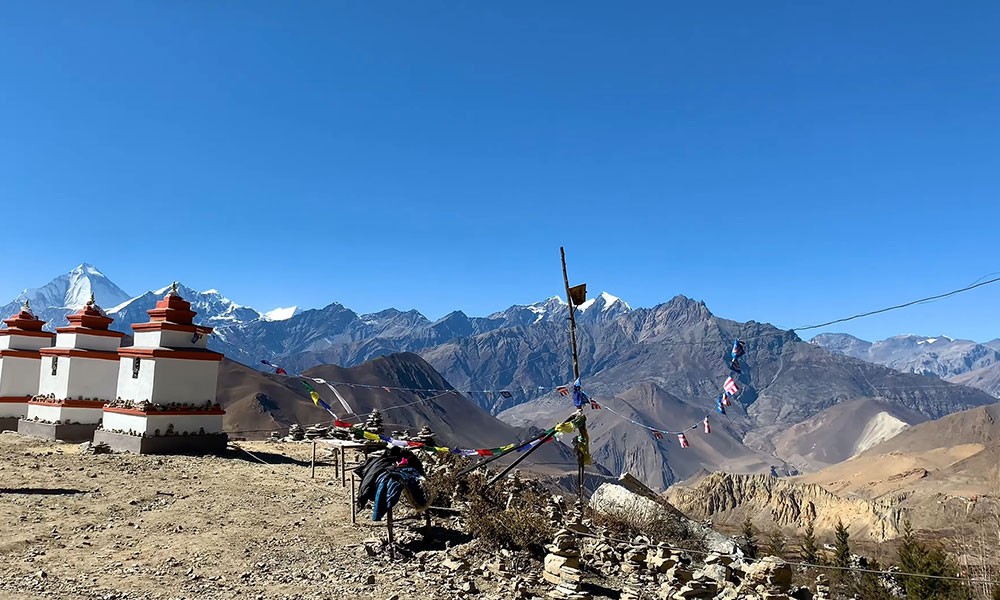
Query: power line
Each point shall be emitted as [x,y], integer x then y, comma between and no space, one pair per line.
[898,306]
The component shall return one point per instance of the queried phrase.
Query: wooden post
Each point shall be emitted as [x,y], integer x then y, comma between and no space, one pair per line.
[572,317]
[392,538]
[354,503]
[312,465]
[576,362]
[343,467]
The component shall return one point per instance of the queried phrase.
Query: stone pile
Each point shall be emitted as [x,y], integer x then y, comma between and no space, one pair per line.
[562,567]
[296,433]
[374,423]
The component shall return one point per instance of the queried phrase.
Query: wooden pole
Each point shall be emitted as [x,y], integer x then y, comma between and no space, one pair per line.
[354,503]
[572,316]
[576,363]
[343,467]
[312,464]
[508,468]
[392,538]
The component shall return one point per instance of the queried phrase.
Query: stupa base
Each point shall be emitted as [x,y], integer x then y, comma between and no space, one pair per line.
[9,423]
[66,432]
[208,443]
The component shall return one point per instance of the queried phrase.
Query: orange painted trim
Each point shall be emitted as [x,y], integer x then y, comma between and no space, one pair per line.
[67,403]
[11,353]
[157,326]
[14,399]
[89,331]
[26,333]
[183,354]
[76,352]
[153,413]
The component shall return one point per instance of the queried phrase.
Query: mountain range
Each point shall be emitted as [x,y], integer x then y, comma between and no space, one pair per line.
[959,361]
[663,366]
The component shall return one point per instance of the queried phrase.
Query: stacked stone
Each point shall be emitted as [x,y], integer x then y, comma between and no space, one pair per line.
[374,423]
[637,576]
[769,578]
[426,436]
[296,433]
[822,587]
[562,567]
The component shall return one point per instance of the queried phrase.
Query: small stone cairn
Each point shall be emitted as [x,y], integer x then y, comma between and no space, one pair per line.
[296,433]
[374,423]
[562,567]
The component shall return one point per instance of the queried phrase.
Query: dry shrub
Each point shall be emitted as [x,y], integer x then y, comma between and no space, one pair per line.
[507,515]
[517,524]
[630,519]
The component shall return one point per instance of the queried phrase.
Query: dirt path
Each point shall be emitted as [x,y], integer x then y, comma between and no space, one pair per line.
[119,527]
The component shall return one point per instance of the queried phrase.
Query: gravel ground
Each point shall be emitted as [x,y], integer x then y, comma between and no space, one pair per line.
[119,527]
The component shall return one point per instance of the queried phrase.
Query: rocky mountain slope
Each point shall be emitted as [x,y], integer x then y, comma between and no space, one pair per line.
[960,361]
[680,346]
[940,474]
[257,403]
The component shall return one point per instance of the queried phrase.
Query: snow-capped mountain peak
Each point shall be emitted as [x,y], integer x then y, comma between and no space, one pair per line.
[67,293]
[281,314]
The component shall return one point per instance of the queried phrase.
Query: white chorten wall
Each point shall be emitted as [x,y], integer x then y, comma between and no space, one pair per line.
[166,380]
[18,378]
[24,342]
[92,378]
[168,339]
[123,420]
[66,414]
[84,341]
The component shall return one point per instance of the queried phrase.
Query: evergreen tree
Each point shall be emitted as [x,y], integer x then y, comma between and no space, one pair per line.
[841,546]
[750,535]
[921,559]
[776,542]
[809,550]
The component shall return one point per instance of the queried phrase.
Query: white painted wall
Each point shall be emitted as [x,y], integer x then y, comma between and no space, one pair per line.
[13,409]
[187,381]
[136,389]
[19,376]
[168,339]
[23,342]
[57,385]
[92,378]
[61,413]
[150,423]
[87,342]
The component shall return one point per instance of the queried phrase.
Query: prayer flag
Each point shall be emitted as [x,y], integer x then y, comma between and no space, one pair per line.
[708,428]
[594,405]
[683,440]
[563,390]
[484,452]
[730,386]
[738,349]
[566,427]
[657,435]
[735,366]
[721,408]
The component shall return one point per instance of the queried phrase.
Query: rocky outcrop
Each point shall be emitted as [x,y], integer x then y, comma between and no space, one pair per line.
[727,499]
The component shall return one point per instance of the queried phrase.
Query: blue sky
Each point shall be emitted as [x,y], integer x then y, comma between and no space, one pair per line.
[783,162]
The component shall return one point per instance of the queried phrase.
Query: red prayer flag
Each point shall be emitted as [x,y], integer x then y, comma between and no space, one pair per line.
[708,428]
[563,390]
[730,386]
[683,440]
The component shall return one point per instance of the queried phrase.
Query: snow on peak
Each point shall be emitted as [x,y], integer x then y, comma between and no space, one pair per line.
[281,314]
[211,291]
[605,301]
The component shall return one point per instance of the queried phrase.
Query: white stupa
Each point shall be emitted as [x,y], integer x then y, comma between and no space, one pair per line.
[166,387]
[78,377]
[20,361]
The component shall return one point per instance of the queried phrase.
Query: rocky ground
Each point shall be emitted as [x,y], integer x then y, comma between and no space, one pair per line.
[122,527]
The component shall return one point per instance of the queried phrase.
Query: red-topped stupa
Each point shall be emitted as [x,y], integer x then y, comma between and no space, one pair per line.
[79,375]
[166,387]
[20,362]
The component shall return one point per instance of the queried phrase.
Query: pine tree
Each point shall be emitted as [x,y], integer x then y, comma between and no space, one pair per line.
[809,550]
[841,546]
[776,542]
[920,559]
[750,535]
